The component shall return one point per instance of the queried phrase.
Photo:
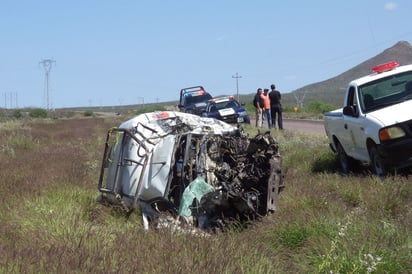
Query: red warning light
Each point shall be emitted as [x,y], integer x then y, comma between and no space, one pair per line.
[385,67]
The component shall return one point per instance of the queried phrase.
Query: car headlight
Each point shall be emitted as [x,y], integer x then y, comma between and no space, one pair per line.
[390,133]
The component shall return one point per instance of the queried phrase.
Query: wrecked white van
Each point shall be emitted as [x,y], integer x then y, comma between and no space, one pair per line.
[200,171]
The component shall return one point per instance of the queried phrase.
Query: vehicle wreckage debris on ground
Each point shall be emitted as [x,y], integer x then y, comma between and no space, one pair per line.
[197,171]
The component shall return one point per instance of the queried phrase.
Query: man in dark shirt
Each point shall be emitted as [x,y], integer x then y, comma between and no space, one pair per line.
[258,103]
[275,107]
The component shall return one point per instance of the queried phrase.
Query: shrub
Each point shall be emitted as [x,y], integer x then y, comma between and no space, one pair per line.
[88,113]
[319,107]
[17,114]
[38,113]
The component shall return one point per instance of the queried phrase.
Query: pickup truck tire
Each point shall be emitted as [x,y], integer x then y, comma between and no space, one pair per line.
[377,163]
[346,162]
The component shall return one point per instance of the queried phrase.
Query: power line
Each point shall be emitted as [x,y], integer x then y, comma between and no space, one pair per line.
[47,66]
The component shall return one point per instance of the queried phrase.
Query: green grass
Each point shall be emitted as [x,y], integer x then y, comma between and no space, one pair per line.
[325,222]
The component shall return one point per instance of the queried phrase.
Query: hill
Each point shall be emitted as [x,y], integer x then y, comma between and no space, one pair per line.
[330,91]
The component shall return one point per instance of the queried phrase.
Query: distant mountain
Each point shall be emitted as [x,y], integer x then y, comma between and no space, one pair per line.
[331,91]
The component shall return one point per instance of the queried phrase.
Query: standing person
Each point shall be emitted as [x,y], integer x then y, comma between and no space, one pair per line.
[258,103]
[266,107]
[275,106]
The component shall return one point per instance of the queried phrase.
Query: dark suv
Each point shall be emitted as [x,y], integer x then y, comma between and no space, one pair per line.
[193,100]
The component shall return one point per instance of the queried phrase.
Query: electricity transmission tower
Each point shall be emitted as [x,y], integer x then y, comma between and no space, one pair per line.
[237,84]
[299,99]
[47,66]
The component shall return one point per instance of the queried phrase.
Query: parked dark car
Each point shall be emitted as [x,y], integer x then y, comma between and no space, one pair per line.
[226,109]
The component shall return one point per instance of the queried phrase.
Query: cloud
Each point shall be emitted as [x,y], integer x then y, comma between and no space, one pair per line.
[390,6]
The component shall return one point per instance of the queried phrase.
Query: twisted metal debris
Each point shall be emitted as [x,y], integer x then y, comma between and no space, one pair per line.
[200,172]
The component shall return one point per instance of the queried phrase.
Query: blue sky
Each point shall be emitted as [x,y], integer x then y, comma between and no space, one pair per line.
[144,51]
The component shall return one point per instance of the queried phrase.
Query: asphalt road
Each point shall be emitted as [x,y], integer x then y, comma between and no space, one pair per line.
[306,126]
[301,125]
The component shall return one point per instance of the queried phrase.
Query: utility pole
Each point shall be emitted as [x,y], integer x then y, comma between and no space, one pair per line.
[11,100]
[140,102]
[47,66]
[237,84]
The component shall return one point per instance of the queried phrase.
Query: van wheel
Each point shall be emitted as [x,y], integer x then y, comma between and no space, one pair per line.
[377,163]
[345,161]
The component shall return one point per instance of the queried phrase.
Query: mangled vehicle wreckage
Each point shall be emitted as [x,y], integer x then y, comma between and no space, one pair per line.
[201,171]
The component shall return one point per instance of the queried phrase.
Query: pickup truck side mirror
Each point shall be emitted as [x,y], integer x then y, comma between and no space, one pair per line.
[351,110]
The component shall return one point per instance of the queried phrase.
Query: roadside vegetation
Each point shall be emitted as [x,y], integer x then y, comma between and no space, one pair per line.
[325,223]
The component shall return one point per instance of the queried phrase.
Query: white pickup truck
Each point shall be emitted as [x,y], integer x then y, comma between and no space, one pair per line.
[375,124]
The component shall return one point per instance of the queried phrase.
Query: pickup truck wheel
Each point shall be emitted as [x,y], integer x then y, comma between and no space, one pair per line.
[377,163]
[344,160]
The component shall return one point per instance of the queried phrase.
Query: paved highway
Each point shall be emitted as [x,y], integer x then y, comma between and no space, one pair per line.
[301,125]
[306,126]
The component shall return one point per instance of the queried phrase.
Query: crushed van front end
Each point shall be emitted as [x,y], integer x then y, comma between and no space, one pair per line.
[201,171]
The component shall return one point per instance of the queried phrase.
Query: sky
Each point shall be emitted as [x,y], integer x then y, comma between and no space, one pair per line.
[57,54]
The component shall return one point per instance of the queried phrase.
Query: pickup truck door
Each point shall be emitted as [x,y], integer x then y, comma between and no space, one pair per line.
[354,136]
[353,140]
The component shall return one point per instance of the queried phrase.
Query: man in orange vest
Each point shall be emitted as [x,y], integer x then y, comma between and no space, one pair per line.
[266,107]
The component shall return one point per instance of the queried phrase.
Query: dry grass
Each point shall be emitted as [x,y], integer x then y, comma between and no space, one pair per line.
[326,223]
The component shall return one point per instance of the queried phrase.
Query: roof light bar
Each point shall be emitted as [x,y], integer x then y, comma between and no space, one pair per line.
[385,67]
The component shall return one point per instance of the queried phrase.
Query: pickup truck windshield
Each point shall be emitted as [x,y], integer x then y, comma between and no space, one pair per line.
[385,92]
[189,99]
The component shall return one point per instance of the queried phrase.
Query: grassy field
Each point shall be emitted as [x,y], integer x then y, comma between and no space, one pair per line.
[325,223]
